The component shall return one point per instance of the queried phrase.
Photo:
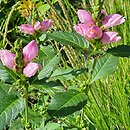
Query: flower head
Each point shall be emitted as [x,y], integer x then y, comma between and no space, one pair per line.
[31,69]
[42,26]
[89,29]
[85,17]
[30,51]
[112,20]
[7,59]
[45,25]
[110,37]
[27,28]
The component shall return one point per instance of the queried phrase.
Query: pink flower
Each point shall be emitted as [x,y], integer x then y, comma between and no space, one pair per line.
[103,12]
[88,27]
[109,37]
[26,28]
[85,17]
[37,25]
[113,20]
[7,59]
[31,69]
[45,25]
[82,29]
[30,51]
[93,32]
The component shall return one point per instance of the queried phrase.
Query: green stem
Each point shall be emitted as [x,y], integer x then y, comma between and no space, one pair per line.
[84,4]
[60,19]
[26,107]
[7,23]
[65,13]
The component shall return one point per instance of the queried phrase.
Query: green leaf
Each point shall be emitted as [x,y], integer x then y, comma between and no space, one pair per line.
[104,66]
[10,106]
[65,103]
[66,73]
[120,51]
[49,68]
[69,38]
[4,74]
[34,118]
[42,8]
[48,51]
[42,37]
[16,125]
[49,84]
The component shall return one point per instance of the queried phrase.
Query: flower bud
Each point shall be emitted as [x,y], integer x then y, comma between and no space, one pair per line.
[26,28]
[37,25]
[110,37]
[30,51]
[7,59]
[31,69]
[112,20]
[45,25]
[85,17]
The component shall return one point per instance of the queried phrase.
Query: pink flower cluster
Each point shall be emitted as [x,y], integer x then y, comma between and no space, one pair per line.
[42,26]
[30,51]
[90,30]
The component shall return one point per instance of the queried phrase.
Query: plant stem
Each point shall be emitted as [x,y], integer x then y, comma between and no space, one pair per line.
[7,23]
[65,13]
[26,107]
[84,4]
[59,18]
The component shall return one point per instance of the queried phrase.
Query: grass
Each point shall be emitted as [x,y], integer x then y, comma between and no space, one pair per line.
[108,107]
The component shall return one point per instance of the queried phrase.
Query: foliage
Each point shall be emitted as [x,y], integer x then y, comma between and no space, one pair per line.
[81,84]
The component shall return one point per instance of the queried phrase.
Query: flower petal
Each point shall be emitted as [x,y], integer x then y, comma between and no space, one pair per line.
[110,37]
[31,69]
[37,25]
[113,20]
[85,17]
[30,51]
[7,59]
[94,32]
[27,28]
[45,25]
[81,29]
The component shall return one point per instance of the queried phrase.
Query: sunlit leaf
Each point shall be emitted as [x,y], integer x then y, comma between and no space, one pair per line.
[49,68]
[65,103]
[69,38]
[104,66]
